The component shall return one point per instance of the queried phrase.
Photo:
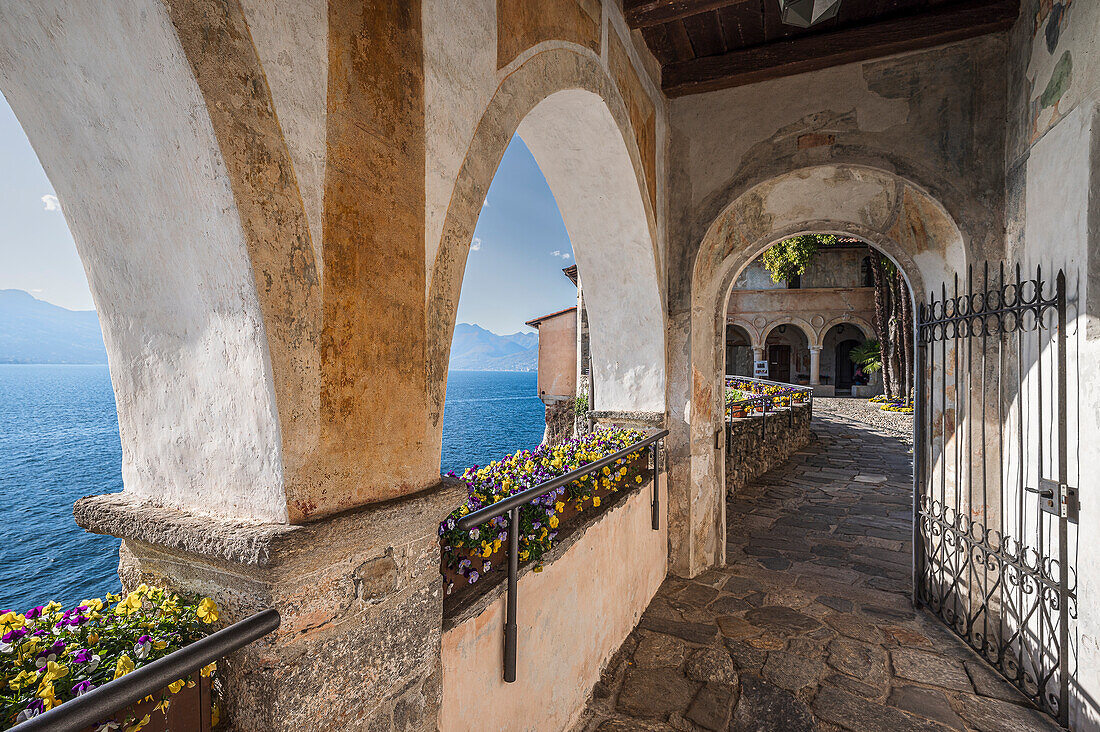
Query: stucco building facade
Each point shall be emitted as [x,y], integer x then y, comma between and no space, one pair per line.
[805,329]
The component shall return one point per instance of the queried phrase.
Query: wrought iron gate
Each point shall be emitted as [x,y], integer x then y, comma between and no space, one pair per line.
[995,524]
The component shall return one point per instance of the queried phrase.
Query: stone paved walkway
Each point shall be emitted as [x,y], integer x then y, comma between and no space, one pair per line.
[809,626]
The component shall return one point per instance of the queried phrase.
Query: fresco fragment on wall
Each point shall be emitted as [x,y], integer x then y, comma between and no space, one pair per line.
[1051,73]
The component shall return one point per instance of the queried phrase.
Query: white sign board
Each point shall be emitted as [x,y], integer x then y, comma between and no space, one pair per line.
[760,369]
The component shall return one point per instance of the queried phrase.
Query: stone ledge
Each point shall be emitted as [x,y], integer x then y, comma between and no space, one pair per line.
[259,544]
[653,419]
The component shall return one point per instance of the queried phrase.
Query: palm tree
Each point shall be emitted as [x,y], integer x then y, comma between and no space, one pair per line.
[868,356]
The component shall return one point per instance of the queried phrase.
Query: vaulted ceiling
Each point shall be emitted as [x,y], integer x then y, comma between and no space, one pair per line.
[704,45]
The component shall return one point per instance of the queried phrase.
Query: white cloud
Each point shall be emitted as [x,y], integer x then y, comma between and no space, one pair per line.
[485,203]
[475,245]
[37,290]
[50,202]
[559,253]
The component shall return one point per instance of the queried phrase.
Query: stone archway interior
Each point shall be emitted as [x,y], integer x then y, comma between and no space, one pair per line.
[581,152]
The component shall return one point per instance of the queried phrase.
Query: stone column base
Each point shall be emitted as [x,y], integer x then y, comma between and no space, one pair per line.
[359,594]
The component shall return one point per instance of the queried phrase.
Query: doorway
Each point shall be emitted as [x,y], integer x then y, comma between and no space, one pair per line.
[779,363]
[845,370]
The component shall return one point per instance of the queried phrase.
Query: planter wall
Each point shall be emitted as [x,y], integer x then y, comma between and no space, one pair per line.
[573,616]
[189,711]
[751,454]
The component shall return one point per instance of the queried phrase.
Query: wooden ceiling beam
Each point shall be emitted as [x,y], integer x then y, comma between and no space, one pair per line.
[937,26]
[647,13]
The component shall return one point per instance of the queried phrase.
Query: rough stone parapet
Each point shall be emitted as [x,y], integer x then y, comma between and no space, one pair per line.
[750,453]
[359,594]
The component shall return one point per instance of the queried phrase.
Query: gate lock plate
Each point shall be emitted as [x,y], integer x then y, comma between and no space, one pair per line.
[1058,499]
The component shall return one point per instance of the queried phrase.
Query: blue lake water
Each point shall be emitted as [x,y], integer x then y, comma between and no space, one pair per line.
[59,441]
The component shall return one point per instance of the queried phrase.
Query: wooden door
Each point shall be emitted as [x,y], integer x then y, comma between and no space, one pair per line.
[779,363]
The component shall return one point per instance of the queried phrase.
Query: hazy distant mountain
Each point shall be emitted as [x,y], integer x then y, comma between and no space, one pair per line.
[476,349]
[34,331]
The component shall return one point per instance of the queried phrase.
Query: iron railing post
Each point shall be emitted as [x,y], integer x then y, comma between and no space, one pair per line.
[510,625]
[1063,527]
[512,505]
[655,505]
[919,447]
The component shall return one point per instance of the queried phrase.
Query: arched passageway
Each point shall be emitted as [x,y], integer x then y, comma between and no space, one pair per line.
[896,216]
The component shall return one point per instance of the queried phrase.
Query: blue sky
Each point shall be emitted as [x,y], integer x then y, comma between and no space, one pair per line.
[513,273]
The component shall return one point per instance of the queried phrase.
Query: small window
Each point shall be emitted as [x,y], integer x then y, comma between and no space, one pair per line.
[865,273]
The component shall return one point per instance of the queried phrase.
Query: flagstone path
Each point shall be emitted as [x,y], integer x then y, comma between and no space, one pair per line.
[809,626]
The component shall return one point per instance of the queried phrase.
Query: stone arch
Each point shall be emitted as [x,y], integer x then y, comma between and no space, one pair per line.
[568,111]
[807,329]
[901,219]
[210,311]
[866,328]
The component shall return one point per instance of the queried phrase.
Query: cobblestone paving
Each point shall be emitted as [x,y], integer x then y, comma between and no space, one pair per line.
[809,626]
[863,412]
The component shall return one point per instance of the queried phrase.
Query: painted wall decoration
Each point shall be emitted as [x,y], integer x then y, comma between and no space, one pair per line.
[1050,74]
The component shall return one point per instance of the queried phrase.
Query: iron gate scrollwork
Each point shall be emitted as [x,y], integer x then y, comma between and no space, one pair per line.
[995,517]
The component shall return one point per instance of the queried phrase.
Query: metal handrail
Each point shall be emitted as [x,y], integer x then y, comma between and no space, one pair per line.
[514,502]
[805,395]
[93,707]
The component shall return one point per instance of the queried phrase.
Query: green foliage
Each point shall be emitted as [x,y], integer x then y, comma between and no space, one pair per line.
[867,355]
[580,405]
[790,258]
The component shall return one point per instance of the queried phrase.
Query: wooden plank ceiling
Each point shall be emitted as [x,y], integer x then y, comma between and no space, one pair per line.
[704,45]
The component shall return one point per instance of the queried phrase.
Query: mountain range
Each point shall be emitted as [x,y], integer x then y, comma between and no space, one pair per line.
[34,331]
[475,349]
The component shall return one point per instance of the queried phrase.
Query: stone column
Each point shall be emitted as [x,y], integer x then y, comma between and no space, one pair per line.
[359,594]
[758,353]
[815,365]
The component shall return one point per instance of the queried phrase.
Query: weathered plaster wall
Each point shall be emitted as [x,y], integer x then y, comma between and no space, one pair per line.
[813,311]
[1053,195]
[572,616]
[896,151]
[557,375]
[291,40]
[159,230]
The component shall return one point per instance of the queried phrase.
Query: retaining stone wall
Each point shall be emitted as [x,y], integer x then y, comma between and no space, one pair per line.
[750,453]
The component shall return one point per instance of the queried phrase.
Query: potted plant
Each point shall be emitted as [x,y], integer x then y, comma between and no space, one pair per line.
[49,656]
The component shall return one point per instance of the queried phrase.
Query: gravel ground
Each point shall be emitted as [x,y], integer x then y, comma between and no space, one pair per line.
[847,409]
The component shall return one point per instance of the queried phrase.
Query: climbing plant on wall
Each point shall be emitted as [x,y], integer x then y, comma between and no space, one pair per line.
[790,258]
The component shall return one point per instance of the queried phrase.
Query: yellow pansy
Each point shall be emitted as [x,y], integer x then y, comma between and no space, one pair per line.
[138,724]
[23,678]
[175,686]
[207,610]
[637,479]
[10,621]
[130,605]
[47,694]
[553,522]
[559,506]
[162,707]
[596,501]
[486,550]
[51,607]
[209,669]
[93,638]
[55,671]
[124,666]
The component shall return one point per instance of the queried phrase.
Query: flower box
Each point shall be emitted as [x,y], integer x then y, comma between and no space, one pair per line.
[468,556]
[189,711]
[48,657]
